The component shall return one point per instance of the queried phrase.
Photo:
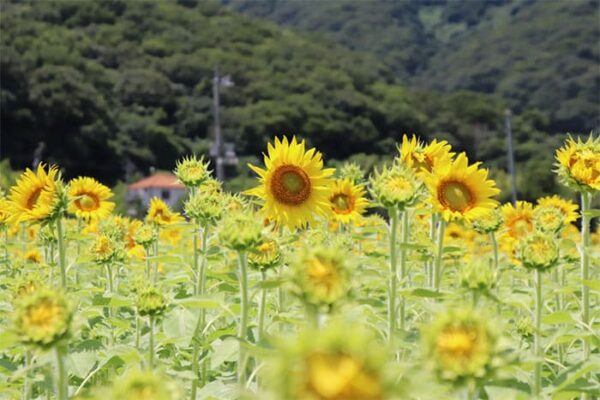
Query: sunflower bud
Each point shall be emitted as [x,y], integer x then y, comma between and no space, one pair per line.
[547,219]
[265,255]
[240,231]
[478,276]
[204,207]
[396,187]
[151,301]
[105,250]
[192,172]
[138,385]
[538,251]
[524,328]
[353,172]
[461,346]
[43,318]
[145,236]
[322,276]
[490,221]
[331,364]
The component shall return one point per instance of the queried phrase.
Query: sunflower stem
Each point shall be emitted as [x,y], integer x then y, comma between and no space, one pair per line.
[432,232]
[262,306]
[61,253]
[537,384]
[243,324]
[495,250]
[151,344]
[63,383]
[586,199]
[403,256]
[195,265]
[437,275]
[393,274]
[155,254]
[27,385]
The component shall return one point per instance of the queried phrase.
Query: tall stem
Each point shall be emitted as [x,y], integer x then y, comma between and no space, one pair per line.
[155,275]
[403,256]
[63,384]
[27,385]
[151,345]
[61,253]
[537,384]
[437,275]
[494,249]
[148,266]
[393,274]
[262,306]
[586,199]
[243,325]
[201,288]
[195,263]
[432,233]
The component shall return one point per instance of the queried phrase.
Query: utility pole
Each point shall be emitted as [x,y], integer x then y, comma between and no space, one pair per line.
[511,157]
[218,149]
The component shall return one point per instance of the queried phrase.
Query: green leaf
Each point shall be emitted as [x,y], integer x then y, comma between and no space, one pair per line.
[422,292]
[224,350]
[592,284]
[201,302]
[558,317]
[80,364]
[594,213]
[573,373]
[269,284]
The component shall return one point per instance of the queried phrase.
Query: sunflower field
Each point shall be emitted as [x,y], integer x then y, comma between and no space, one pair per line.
[316,284]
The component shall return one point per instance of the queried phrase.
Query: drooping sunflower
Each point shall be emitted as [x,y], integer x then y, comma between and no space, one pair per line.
[566,207]
[424,158]
[36,196]
[461,191]
[159,213]
[579,163]
[88,199]
[347,201]
[294,185]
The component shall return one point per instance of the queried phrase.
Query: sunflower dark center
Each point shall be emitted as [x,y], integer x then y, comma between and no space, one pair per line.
[342,203]
[33,198]
[290,185]
[88,202]
[455,195]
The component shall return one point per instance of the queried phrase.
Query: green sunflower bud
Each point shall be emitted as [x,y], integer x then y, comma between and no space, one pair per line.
[353,172]
[192,172]
[538,251]
[477,276]
[151,301]
[240,231]
[396,187]
[461,346]
[43,318]
[488,222]
[205,207]
[322,275]
[548,219]
[265,255]
[138,385]
[145,236]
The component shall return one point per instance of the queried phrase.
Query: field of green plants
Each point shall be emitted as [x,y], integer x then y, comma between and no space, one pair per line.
[316,284]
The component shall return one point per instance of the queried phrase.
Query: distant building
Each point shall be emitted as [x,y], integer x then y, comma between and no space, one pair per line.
[163,185]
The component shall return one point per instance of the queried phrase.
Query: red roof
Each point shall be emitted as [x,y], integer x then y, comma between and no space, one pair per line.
[161,180]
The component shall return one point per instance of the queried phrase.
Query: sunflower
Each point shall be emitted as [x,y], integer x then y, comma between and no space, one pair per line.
[159,213]
[347,201]
[518,220]
[294,185]
[579,163]
[4,212]
[424,158]
[567,208]
[88,199]
[36,196]
[459,190]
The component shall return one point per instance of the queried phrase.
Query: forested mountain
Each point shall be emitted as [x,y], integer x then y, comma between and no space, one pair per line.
[119,85]
[533,53]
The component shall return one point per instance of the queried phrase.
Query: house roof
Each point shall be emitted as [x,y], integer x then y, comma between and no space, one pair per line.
[160,180]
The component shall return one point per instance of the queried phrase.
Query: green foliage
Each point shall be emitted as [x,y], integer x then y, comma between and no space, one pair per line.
[107,85]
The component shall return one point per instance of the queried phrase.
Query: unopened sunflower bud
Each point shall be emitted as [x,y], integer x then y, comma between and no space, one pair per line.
[192,172]
[396,187]
[240,231]
[205,207]
[151,301]
[548,219]
[538,251]
[488,222]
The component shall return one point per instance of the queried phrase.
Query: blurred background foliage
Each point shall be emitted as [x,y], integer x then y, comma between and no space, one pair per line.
[112,88]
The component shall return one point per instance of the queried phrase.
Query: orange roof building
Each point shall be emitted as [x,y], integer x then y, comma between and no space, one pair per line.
[163,185]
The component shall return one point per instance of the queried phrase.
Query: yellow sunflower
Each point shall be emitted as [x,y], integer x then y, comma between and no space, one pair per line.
[36,197]
[347,201]
[4,212]
[579,163]
[294,185]
[88,199]
[518,220]
[567,208]
[159,213]
[459,190]
[424,158]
